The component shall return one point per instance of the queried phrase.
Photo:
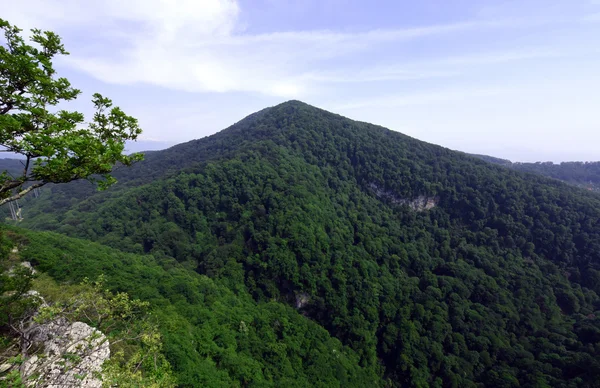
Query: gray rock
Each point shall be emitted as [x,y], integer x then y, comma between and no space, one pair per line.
[302,299]
[28,265]
[417,204]
[71,355]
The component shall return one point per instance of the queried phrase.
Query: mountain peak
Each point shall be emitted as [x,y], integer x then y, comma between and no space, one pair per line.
[297,104]
[430,265]
[293,103]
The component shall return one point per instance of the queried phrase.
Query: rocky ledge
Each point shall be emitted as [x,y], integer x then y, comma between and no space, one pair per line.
[69,355]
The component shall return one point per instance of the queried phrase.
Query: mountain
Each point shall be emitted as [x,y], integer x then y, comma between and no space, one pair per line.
[581,174]
[432,267]
[12,166]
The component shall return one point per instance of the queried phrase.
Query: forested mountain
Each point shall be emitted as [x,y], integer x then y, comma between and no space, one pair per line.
[432,267]
[581,174]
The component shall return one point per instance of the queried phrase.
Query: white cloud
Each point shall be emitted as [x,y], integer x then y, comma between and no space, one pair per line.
[161,18]
[276,64]
[197,46]
[436,96]
[433,68]
[194,46]
[500,79]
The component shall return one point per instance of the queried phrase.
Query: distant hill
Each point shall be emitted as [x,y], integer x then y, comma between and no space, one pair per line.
[581,174]
[13,166]
[431,267]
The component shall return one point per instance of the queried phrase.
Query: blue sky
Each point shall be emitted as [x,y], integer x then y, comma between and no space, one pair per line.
[518,79]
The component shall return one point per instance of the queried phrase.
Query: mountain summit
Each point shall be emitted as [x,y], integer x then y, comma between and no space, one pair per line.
[434,267]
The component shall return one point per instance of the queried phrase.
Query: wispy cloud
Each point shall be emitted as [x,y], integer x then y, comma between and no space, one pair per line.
[435,96]
[430,69]
[375,74]
[197,46]
[201,46]
[268,63]
[499,57]
[500,73]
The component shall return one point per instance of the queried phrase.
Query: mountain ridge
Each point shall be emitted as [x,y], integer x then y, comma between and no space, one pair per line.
[163,163]
[580,174]
[485,287]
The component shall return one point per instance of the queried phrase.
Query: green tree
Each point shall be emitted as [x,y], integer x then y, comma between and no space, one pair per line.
[55,146]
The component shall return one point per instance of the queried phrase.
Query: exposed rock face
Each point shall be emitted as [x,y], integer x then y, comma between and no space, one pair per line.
[73,354]
[302,299]
[422,203]
[418,204]
[24,264]
[28,265]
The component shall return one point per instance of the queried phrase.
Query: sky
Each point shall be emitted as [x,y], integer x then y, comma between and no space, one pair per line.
[516,79]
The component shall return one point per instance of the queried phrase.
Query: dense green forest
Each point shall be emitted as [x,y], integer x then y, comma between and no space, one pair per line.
[354,255]
[213,336]
[582,174]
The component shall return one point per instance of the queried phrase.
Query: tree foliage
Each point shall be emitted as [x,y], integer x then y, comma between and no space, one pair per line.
[54,145]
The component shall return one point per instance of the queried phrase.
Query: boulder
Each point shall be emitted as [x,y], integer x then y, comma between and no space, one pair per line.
[64,355]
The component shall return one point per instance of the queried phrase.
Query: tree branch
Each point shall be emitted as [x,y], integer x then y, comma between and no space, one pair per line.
[22,193]
[7,108]
[27,165]
[9,185]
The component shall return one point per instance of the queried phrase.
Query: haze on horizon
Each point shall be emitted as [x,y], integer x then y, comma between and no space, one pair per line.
[512,79]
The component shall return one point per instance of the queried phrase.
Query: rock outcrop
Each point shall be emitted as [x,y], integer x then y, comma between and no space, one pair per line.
[302,299]
[58,353]
[68,355]
[418,204]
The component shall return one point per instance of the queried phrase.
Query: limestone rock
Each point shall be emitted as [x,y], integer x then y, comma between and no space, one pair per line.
[28,265]
[417,204]
[71,355]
